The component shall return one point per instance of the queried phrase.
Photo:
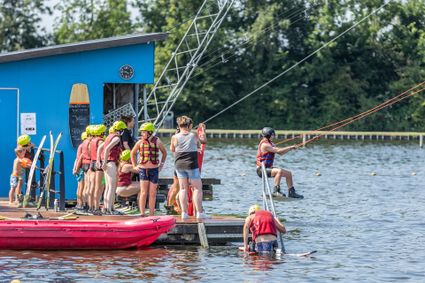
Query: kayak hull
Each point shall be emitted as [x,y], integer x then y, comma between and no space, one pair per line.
[95,235]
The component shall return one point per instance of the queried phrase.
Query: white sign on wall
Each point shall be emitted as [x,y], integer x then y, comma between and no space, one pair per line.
[28,124]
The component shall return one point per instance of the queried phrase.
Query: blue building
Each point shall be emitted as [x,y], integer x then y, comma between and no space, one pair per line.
[35,86]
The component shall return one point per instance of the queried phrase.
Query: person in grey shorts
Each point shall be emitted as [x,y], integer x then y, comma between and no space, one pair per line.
[185,148]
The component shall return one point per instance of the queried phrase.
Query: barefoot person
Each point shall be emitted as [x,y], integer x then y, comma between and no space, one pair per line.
[149,165]
[78,172]
[112,149]
[266,153]
[185,148]
[263,227]
[96,177]
[16,180]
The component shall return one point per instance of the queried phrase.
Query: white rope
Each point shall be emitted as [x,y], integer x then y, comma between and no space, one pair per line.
[296,64]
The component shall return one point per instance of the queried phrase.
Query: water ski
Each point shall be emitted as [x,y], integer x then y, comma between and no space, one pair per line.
[32,172]
[306,254]
[79,112]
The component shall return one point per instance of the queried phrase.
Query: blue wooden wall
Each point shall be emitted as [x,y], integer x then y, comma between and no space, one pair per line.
[45,85]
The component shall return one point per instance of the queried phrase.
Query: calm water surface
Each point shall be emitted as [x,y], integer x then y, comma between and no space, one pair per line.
[365,228]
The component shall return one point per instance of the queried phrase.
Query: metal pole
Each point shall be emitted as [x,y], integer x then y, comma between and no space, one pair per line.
[279,235]
[145,104]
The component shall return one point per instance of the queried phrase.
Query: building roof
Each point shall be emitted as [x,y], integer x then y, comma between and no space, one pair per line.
[82,46]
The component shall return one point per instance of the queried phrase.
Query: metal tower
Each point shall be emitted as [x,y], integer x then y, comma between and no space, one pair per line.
[184,60]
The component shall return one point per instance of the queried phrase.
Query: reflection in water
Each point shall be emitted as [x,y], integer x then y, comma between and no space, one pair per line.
[365,228]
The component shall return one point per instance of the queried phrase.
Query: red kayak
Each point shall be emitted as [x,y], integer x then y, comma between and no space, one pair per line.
[59,235]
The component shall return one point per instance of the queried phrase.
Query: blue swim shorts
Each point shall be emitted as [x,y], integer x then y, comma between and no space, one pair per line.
[14,181]
[266,247]
[192,174]
[149,174]
[80,175]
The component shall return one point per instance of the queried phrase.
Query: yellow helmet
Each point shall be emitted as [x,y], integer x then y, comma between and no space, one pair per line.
[119,125]
[89,130]
[148,127]
[111,130]
[24,140]
[125,155]
[98,130]
[83,136]
[253,208]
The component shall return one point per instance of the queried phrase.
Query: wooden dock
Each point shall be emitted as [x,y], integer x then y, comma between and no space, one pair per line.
[219,230]
[305,135]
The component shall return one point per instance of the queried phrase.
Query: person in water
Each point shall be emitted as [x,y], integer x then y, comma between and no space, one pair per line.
[265,154]
[263,227]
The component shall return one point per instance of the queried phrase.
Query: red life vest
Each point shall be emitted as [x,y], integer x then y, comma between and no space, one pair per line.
[262,224]
[94,145]
[124,179]
[267,157]
[149,151]
[85,151]
[114,153]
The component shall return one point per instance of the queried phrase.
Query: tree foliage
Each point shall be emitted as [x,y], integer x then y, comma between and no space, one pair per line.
[20,24]
[378,59]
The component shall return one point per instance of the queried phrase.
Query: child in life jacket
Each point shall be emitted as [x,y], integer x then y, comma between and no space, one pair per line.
[149,165]
[125,186]
[96,172]
[16,179]
[112,148]
[78,172]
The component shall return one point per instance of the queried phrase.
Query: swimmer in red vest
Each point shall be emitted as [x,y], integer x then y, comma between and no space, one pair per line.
[266,152]
[263,227]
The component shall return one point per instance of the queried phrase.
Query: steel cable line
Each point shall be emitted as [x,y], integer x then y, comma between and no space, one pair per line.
[231,56]
[360,117]
[298,63]
[298,12]
[384,104]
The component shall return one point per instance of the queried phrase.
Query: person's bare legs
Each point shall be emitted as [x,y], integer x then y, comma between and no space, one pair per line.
[278,173]
[98,191]
[184,186]
[111,173]
[152,198]
[197,194]
[91,193]
[144,190]
[80,188]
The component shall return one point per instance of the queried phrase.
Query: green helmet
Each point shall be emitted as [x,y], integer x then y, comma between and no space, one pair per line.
[24,140]
[83,136]
[125,155]
[119,125]
[148,127]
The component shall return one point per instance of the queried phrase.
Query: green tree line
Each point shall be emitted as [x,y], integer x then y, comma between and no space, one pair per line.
[380,58]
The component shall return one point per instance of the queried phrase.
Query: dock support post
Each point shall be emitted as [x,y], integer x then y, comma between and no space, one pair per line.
[202,235]
[304,139]
[421,141]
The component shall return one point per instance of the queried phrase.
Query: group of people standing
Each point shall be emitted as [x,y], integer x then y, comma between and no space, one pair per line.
[117,165]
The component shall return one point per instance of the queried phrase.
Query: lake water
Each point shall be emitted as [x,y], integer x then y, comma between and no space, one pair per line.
[365,228]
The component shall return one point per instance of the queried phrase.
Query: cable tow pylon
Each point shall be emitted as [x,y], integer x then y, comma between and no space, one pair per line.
[183,62]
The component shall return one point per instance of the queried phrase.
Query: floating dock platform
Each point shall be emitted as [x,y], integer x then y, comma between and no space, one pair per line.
[219,230]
